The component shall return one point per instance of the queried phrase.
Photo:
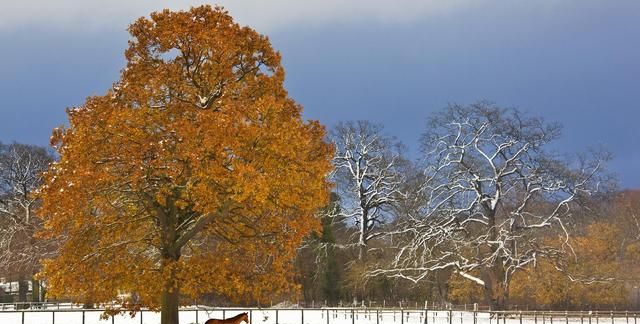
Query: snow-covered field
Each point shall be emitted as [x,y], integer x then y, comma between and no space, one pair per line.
[306,316]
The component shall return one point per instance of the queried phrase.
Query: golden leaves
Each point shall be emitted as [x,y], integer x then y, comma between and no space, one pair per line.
[197,143]
[595,264]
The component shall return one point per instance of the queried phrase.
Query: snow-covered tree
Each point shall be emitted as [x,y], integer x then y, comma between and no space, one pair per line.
[492,190]
[367,175]
[21,168]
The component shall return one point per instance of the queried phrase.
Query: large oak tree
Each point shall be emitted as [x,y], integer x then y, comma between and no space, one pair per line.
[194,174]
[492,190]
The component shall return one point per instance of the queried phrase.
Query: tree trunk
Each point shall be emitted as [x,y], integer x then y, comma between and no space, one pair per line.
[362,254]
[495,290]
[35,291]
[87,302]
[495,286]
[169,305]
[23,289]
[362,237]
[170,299]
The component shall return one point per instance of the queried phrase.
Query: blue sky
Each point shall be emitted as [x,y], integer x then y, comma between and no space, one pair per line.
[572,61]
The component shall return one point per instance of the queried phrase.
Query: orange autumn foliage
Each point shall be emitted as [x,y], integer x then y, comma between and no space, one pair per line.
[194,174]
[464,291]
[596,266]
[600,269]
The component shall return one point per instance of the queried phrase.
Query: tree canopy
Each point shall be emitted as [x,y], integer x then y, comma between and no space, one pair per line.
[194,173]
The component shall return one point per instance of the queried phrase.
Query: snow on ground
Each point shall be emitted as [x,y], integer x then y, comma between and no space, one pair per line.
[297,316]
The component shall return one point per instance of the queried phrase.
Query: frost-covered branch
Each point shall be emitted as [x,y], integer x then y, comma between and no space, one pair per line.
[491,194]
[368,177]
[21,169]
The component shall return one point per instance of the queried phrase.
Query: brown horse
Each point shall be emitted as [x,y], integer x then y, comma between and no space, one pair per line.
[233,320]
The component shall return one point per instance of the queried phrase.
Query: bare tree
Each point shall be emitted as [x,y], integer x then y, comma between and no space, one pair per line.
[367,177]
[21,168]
[492,192]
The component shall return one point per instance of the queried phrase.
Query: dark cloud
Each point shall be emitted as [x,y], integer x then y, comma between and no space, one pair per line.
[577,63]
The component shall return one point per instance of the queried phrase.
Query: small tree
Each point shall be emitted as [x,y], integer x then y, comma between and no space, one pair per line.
[367,165]
[491,189]
[21,169]
[194,174]
[319,260]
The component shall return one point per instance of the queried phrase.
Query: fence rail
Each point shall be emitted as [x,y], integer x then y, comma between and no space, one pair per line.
[38,305]
[364,304]
[323,316]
